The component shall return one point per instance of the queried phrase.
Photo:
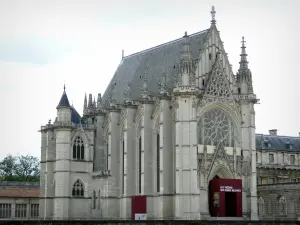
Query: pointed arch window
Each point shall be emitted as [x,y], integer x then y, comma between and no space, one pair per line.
[78,189]
[261,206]
[78,149]
[282,206]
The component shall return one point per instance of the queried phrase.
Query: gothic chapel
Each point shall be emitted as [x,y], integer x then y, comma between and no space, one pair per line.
[172,137]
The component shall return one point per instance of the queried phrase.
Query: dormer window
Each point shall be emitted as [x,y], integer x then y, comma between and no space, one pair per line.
[267,144]
[289,146]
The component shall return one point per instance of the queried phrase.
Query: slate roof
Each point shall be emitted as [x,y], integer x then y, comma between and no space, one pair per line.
[14,189]
[64,101]
[75,117]
[152,62]
[279,143]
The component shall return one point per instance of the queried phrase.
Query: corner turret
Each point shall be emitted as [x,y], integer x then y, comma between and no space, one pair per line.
[64,110]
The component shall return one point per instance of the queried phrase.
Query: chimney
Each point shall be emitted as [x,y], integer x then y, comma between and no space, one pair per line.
[273,132]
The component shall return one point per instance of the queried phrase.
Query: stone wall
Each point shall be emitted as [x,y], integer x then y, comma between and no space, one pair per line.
[279,201]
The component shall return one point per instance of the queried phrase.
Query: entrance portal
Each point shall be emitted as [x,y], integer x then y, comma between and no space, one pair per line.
[230,204]
[225,197]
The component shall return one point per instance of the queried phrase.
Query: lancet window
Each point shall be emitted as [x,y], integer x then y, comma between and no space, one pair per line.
[78,189]
[78,149]
[215,128]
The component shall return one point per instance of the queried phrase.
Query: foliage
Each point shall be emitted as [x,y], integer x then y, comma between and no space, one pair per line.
[20,168]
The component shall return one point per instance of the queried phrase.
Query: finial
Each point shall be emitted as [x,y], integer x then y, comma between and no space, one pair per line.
[185,34]
[64,87]
[243,42]
[213,14]
[49,122]
[122,53]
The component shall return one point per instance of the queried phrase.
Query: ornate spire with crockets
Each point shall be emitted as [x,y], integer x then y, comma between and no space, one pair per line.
[213,15]
[85,104]
[243,62]
[244,73]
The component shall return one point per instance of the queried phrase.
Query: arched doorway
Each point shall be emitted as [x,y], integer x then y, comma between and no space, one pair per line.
[225,197]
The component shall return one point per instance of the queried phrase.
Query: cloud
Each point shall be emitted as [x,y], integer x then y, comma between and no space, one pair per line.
[33,50]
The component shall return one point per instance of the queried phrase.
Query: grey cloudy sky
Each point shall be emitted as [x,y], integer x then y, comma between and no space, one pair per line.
[46,43]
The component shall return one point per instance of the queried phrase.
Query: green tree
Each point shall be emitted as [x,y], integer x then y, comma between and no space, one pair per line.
[20,168]
[7,166]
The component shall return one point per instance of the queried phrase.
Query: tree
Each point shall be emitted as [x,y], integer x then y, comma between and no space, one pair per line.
[7,166]
[20,168]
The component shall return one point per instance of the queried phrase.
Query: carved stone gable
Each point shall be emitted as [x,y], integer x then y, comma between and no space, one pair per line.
[218,83]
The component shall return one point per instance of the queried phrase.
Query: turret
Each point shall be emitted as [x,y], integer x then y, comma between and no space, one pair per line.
[244,76]
[64,110]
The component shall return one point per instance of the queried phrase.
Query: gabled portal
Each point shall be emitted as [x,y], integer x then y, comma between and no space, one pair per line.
[225,197]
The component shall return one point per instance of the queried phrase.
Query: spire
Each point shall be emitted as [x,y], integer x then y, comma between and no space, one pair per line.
[186,66]
[186,53]
[99,101]
[64,101]
[90,101]
[243,62]
[85,104]
[244,73]
[213,15]
[94,103]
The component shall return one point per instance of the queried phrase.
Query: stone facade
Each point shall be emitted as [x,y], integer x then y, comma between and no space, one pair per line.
[278,176]
[172,118]
[19,200]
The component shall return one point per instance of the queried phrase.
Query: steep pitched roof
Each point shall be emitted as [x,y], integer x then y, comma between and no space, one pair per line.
[279,143]
[64,101]
[75,117]
[151,63]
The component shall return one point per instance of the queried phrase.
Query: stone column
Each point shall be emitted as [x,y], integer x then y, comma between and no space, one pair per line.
[167,161]
[149,175]
[187,191]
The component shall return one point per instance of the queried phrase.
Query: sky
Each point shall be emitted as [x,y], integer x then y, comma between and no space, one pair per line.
[45,44]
